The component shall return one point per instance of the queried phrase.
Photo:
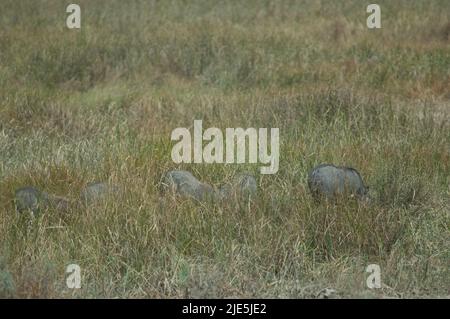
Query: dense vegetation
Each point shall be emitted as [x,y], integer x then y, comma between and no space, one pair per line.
[99,104]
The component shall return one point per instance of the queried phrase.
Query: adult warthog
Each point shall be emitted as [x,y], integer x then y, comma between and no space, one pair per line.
[330,182]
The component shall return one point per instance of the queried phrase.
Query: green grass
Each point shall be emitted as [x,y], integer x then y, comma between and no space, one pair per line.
[100,103]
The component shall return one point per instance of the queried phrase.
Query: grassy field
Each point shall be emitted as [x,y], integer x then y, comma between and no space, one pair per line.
[99,104]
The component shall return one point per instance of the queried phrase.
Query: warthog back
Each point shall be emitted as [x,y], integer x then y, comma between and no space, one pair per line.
[329,181]
[28,199]
[185,184]
[31,199]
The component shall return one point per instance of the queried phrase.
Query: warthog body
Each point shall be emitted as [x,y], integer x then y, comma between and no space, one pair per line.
[28,199]
[31,199]
[185,184]
[329,182]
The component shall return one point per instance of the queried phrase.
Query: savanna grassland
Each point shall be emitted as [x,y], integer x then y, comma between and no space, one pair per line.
[99,104]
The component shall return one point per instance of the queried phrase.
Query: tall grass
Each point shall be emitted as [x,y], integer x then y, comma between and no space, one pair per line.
[99,104]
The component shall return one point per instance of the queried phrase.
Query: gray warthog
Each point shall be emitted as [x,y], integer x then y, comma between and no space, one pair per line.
[185,184]
[329,181]
[31,199]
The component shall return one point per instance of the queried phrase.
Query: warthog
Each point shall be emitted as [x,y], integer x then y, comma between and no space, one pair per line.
[31,199]
[185,184]
[28,199]
[329,182]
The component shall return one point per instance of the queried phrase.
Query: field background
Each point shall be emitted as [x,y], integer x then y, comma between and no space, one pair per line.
[99,104]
